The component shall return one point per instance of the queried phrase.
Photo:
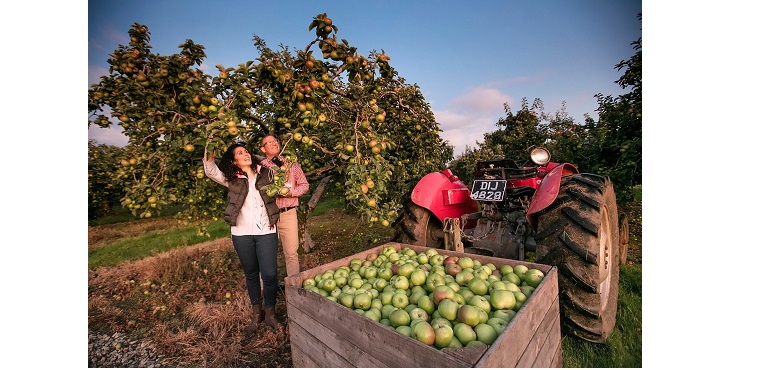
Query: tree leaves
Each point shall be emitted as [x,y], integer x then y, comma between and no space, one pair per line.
[172,111]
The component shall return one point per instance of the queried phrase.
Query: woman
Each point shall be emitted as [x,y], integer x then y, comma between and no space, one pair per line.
[252,216]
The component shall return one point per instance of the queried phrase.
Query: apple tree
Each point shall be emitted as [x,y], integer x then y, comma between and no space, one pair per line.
[517,132]
[342,115]
[618,134]
[102,192]
[464,165]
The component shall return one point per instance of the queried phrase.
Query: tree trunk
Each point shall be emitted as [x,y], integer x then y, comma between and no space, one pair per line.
[307,241]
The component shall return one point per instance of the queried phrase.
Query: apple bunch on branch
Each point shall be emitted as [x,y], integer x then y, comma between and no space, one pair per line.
[278,186]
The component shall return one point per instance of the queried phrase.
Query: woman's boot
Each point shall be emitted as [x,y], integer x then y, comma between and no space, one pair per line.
[270,318]
[257,315]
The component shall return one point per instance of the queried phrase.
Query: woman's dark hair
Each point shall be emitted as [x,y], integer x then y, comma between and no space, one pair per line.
[228,168]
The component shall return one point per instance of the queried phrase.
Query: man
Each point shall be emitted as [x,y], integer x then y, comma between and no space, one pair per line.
[288,230]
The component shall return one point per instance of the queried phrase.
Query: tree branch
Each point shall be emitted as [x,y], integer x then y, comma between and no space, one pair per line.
[307,241]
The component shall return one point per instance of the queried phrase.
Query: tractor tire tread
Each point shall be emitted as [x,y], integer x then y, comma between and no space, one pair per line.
[415,225]
[569,235]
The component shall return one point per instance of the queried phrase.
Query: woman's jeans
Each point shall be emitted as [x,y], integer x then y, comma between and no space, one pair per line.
[259,255]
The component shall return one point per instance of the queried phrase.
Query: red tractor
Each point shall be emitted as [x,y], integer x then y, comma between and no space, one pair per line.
[563,217]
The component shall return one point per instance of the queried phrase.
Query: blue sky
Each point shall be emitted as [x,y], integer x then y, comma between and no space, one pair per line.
[468,57]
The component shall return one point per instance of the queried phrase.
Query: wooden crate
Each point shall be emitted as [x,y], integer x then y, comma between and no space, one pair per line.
[326,334]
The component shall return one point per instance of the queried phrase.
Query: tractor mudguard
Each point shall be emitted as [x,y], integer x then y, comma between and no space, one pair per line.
[548,189]
[444,195]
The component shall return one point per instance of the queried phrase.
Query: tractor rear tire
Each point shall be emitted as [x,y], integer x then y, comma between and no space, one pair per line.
[417,226]
[579,235]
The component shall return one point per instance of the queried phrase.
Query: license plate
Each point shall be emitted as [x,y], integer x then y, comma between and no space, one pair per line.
[488,190]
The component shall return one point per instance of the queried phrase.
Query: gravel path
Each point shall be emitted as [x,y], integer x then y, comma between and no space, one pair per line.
[119,350]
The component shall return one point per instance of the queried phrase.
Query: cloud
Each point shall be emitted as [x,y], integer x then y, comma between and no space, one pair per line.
[481,99]
[471,115]
[108,35]
[112,135]
[115,36]
[208,69]
[95,73]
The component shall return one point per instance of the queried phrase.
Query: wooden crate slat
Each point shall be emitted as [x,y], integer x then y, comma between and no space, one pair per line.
[300,359]
[471,355]
[557,356]
[508,349]
[540,341]
[349,326]
[343,354]
[315,350]
[300,308]
[552,345]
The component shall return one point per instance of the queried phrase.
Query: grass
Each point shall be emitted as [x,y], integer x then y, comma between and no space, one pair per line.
[624,346]
[152,243]
[178,298]
[326,204]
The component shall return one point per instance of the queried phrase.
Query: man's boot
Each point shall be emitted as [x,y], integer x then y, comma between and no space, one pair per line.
[257,315]
[270,318]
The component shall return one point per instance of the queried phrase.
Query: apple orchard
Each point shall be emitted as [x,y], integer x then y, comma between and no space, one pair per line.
[348,118]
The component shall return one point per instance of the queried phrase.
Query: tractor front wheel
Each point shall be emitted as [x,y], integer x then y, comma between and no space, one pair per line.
[418,226]
[579,235]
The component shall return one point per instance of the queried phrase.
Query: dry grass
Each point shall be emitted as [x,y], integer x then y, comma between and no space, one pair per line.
[179,299]
[212,339]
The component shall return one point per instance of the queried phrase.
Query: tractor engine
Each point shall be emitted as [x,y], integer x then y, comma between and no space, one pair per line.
[502,229]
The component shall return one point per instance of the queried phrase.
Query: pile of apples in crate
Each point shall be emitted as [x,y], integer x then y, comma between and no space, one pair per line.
[442,301]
